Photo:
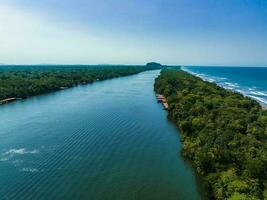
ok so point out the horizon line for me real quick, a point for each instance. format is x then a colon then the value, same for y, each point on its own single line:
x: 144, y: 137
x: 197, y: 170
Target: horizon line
x: 106, y: 64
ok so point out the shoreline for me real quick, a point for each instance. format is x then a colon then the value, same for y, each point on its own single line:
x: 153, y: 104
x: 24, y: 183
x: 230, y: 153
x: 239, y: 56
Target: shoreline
x: 8, y: 100
x: 69, y: 80
x: 163, y: 100
x: 125, y: 123
x: 241, y: 90
x: 193, y: 109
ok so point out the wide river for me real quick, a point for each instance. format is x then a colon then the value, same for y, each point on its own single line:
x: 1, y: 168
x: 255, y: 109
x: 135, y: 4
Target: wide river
x: 109, y: 140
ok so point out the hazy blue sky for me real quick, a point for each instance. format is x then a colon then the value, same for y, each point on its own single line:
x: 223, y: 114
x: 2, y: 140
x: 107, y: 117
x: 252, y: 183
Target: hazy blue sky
x: 189, y: 32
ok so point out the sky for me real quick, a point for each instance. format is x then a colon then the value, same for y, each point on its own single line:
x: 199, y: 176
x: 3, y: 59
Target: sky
x: 184, y: 32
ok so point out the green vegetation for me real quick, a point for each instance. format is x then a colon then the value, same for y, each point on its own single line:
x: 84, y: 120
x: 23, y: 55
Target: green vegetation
x: 223, y: 133
x: 154, y: 64
x: 25, y: 81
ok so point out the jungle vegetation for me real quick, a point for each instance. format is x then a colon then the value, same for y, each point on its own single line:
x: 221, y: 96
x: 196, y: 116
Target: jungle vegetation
x: 26, y: 81
x: 223, y: 133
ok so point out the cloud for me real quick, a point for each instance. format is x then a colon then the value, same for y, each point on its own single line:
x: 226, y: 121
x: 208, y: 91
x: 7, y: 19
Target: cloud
x: 28, y: 37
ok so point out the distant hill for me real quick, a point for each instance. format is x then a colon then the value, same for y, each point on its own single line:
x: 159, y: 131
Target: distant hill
x: 160, y: 66
x: 154, y: 64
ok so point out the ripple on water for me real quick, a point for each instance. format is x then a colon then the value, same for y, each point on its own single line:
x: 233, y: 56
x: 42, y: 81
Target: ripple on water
x: 108, y: 140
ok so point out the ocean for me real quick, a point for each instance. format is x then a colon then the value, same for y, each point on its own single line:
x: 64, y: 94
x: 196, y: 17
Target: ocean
x: 250, y: 81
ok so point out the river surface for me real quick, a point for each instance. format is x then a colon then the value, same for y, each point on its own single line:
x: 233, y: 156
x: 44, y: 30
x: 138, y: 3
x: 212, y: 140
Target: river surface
x: 108, y: 140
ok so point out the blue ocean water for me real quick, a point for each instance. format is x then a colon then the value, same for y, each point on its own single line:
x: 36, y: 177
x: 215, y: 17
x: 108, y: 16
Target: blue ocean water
x: 250, y: 81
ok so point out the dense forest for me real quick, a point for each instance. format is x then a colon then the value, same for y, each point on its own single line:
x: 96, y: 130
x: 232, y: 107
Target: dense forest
x: 25, y: 81
x: 223, y: 133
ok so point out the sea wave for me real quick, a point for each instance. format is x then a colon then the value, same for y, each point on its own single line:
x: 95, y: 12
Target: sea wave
x: 205, y: 76
x: 261, y: 100
x: 21, y: 151
x: 15, y: 158
x: 252, y: 92
x: 11, y: 154
x: 259, y: 93
x: 231, y: 84
x: 4, y: 159
x: 28, y: 169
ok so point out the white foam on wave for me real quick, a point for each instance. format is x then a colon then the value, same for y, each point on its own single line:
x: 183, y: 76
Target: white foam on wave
x: 259, y: 93
x: 262, y: 100
x: 205, y: 77
x: 9, y: 155
x: 228, y: 87
x: 231, y: 84
x: 21, y: 151
x: 4, y: 159
x: 28, y: 169
x: 14, y: 157
x: 251, y: 92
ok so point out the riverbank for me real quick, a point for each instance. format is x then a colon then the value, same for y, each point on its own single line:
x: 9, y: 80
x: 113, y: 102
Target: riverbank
x: 223, y: 134
x: 163, y: 100
x: 20, y: 83
x: 4, y: 101
x: 107, y: 140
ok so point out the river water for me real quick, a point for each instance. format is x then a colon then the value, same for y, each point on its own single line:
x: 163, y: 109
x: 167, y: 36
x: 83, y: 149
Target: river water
x: 108, y: 140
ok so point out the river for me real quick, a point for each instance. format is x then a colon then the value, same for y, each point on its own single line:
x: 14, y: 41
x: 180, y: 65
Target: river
x: 106, y: 140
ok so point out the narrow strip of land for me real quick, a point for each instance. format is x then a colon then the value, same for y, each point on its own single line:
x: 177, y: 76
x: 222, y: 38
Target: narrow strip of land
x: 224, y: 134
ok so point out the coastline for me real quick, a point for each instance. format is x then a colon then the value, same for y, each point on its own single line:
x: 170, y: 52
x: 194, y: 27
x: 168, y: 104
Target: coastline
x: 225, y: 80
x: 200, y: 109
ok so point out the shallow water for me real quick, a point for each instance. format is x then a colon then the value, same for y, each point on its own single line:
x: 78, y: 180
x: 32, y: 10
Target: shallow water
x: 107, y: 140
